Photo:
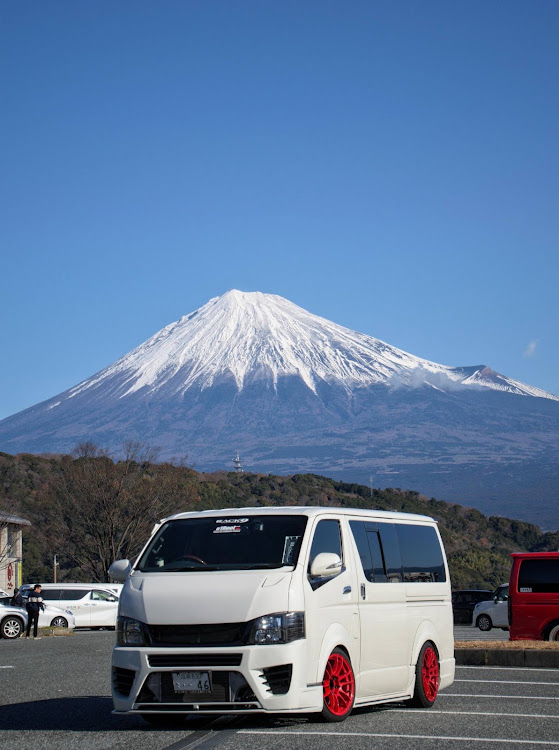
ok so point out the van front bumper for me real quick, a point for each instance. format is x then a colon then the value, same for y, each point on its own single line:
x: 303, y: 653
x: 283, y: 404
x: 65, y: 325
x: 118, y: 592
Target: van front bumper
x: 248, y: 679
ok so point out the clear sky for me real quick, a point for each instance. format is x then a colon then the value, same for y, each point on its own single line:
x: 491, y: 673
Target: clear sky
x: 392, y: 166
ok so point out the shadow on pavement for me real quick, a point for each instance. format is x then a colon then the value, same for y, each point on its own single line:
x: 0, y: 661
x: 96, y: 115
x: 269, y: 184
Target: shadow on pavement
x: 84, y: 714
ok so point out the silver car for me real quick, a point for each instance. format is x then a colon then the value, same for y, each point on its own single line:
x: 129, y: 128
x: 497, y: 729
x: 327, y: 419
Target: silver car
x: 13, y: 620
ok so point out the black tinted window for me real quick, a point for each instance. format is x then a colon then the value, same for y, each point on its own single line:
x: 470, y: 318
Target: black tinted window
x: 390, y: 551
x: 326, y: 539
x: 73, y: 594
x: 46, y: 594
x: 421, y: 554
x: 539, y: 576
x: 362, y: 544
x: 370, y: 551
x: 228, y: 542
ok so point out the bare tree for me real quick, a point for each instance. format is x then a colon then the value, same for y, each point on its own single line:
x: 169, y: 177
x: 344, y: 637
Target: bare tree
x: 104, y: 510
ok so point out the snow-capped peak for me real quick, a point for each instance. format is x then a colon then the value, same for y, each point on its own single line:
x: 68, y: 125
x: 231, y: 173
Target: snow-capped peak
x: 244, y: 335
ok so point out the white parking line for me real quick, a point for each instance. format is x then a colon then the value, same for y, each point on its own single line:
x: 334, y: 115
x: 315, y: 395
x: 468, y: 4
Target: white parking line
x: 508, y: 697
x: 6, y: 667
x: 471, y: 713
x: 510, y: 669
x: 511, y: 682
x: 400, y: 736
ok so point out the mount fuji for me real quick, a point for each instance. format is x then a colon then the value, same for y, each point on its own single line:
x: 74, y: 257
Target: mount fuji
x: 293, y: 392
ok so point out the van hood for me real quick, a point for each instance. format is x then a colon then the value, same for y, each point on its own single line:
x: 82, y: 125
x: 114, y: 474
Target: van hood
x: 204, y: 598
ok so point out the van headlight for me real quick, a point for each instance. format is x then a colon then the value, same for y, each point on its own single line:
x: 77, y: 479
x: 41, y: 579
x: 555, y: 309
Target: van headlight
x: 129, y: 632
x: 283, y: 627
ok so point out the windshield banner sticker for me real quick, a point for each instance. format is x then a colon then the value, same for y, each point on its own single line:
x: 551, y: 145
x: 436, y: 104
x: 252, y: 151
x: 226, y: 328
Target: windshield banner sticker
x: 227, y: 530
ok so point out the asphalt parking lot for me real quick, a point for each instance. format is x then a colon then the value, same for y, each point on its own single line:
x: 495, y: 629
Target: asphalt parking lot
x: 55, y: 693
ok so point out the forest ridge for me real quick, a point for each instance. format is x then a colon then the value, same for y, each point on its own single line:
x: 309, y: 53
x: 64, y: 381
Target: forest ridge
x: 89, y: 510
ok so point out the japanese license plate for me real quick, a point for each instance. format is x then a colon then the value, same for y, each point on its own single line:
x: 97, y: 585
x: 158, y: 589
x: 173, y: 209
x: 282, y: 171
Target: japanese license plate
x: 192, y: 682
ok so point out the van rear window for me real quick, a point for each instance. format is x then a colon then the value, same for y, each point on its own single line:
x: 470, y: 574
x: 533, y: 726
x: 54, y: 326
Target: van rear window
x: 225, y: 543
x: 421, y: 554
x: 539, y: 576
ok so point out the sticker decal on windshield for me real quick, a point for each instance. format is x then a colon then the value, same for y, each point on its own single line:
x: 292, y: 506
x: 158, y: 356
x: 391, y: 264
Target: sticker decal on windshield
x: 289, y: 549
x: 227, y: 530
x: 231, y: 520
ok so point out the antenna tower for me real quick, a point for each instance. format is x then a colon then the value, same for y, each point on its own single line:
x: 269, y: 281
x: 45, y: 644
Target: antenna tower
x: 238, y: 464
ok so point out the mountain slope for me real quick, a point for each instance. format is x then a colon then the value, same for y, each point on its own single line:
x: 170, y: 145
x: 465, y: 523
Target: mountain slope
x: 295, y: 392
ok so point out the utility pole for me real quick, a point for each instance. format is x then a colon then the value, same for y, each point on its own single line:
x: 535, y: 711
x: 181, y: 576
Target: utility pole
x: 54, y: 568
x: 371, y: 486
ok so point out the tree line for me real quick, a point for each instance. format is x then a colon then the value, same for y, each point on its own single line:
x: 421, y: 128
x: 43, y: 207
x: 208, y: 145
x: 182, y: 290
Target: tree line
x: 89, y: 509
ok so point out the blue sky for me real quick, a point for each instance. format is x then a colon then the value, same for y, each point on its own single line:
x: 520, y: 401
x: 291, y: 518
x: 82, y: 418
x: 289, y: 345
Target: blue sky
x: 391, y: 166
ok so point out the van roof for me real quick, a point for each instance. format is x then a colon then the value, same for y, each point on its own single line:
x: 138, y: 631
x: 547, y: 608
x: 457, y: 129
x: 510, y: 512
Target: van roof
x: 535, y: 554
x: 303, y: 510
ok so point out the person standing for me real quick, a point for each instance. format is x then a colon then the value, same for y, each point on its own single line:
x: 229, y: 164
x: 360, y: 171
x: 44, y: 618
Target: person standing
x: 34, y: 606
x: 17, y: 599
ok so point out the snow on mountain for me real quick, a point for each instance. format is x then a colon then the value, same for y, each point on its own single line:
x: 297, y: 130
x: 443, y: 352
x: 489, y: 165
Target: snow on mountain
x: 243, y: 335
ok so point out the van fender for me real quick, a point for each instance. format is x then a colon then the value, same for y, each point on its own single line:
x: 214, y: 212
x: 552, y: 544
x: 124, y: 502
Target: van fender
x: 425, y: 632
x: 335, y: 636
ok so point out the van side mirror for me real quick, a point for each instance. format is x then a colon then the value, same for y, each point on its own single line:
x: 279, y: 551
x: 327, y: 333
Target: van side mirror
x: 120, y: 570
x: 326, y: 565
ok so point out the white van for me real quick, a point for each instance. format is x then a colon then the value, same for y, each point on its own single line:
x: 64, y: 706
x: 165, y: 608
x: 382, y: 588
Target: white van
x: 288, y: 610
x: 92, y: 605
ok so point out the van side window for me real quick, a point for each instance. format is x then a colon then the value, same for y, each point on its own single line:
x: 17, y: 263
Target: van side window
x: 47, y: 594
x: 103, y: 596
x: 539, y: 576
x: 73, y: 594
x: 327, y: 538
x: 421, y: 554
x: 390, y: 550
x: 370, y: 551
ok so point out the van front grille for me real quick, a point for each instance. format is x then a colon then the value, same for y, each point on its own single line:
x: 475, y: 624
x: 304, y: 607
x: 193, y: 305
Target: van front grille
x: 226, y: 687
x: 215, y: 634
x: 195, y: 660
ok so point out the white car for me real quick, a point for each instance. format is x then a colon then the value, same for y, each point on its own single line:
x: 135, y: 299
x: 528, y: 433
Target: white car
x: 50, y: 617
x: 493, y: 613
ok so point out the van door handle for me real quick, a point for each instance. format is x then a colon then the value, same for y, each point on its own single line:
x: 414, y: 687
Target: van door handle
x: 363, y: 594
x: 347, y: 590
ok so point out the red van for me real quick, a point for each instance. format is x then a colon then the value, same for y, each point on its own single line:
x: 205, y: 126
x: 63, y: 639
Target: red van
x: 534, y: 596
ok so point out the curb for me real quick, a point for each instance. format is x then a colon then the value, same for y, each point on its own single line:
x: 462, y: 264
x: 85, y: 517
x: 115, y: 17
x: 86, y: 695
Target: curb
x: 493, y: 657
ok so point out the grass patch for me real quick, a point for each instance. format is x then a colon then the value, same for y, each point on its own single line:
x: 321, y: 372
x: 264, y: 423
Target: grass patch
x: 50, y: 631
x: 509, y: 645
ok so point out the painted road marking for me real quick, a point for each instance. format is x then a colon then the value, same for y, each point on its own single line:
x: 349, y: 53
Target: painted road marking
x: 510, y: 682
x: 378, y: 735
x: 472, y: 713
x: 508, y: 697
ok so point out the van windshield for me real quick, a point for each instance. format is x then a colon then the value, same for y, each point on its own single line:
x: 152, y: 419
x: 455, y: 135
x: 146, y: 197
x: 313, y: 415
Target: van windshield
x: 225, y: 543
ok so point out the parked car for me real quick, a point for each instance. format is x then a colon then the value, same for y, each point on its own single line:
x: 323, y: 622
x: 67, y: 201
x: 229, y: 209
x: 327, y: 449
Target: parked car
x: 464, y: 601
x: 534, y: 596
x: 493, y: 613
x: 50, y: 617
x: 92, y: 605
x: 13, y: 620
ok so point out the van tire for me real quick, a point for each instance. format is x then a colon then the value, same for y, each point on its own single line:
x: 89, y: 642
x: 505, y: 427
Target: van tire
x: 484, y: 623
x: 338, y: 687
x: 427, y: 677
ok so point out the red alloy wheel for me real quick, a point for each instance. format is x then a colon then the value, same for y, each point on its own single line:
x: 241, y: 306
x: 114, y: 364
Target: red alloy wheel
x: 338, y: 685
x: 430, y: 674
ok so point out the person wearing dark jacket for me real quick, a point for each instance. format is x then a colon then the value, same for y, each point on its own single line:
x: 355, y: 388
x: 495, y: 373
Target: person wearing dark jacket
x: 17, y: 599
x: 34, y: 605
